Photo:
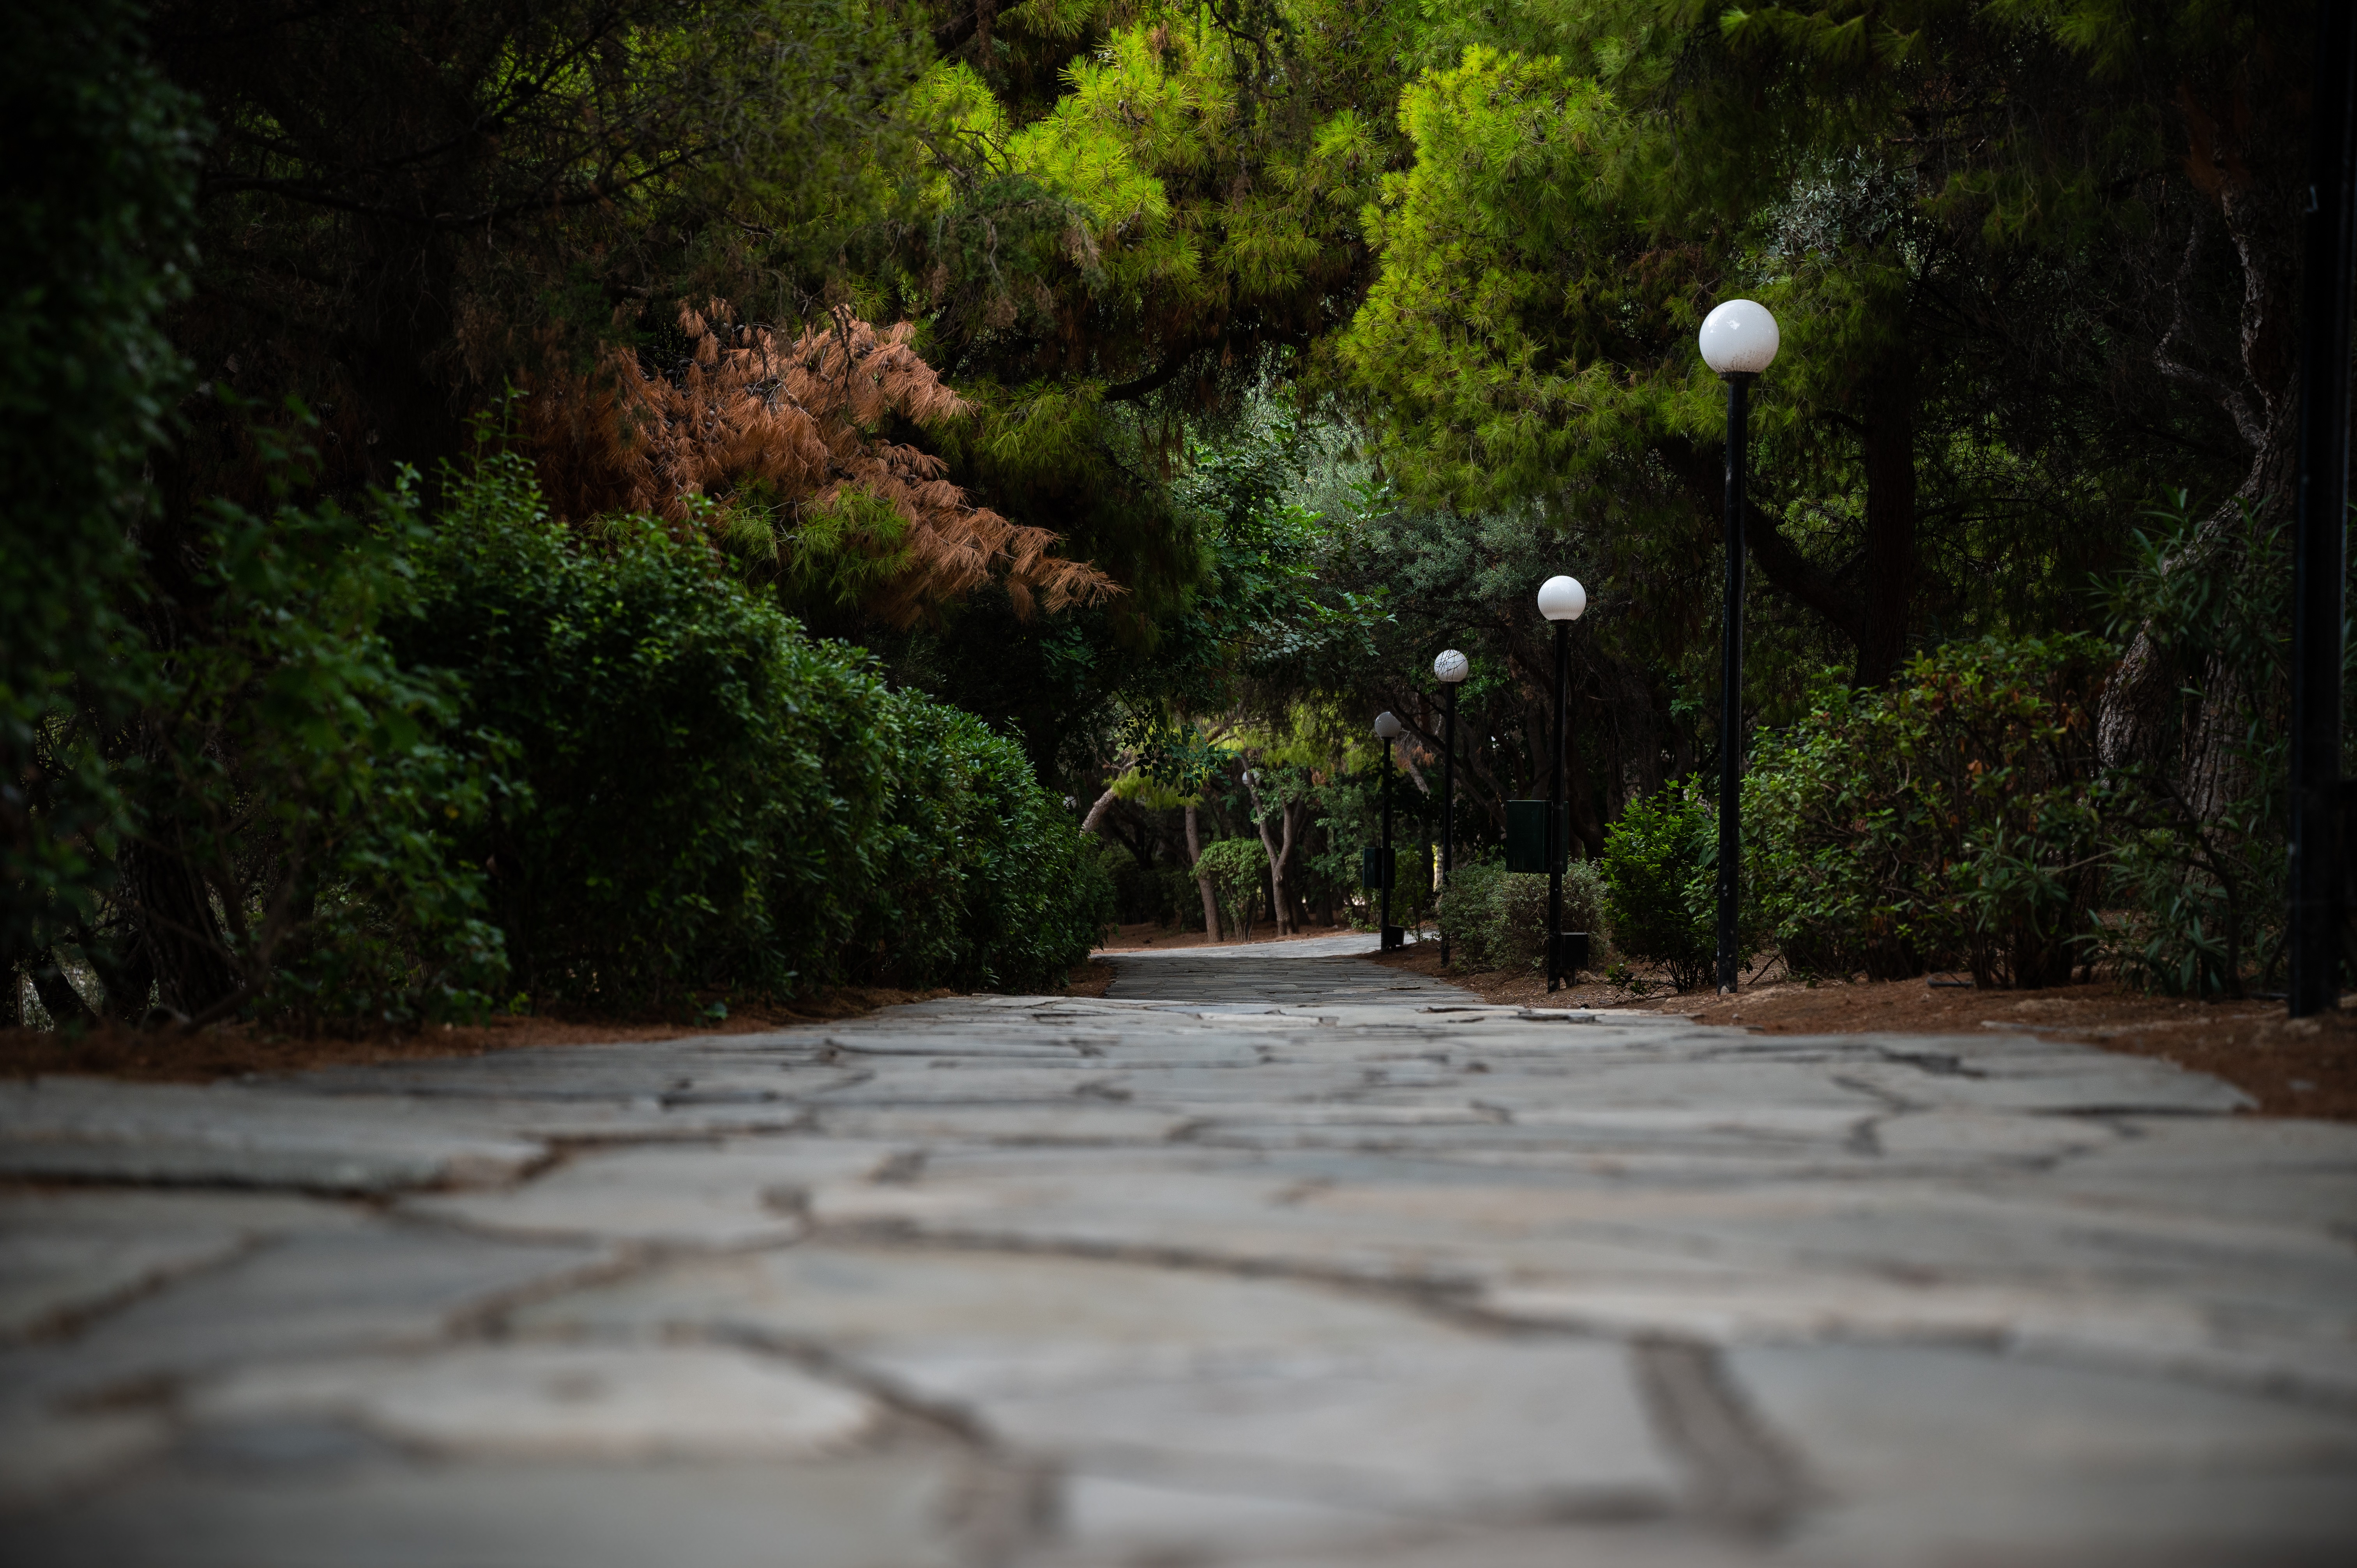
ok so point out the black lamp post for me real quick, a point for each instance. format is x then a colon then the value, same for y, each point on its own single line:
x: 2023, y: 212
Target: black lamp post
x: 1387, y: 728
x: 1451, y: 667
x: 1561, y: 600
x: 2319, y: 551
x: 1738, y: 341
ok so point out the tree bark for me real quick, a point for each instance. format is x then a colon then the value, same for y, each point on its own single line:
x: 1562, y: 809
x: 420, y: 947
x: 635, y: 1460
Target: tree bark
x: 62, y: 1002
x: 1096, y: 812
x: 1202, y: 881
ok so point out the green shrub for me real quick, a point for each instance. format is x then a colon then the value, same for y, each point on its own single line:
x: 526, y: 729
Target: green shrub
x: 1495, y: 918
x: 1661, y: 880
x: 1238, y: 868
x: 706, y: 799
x: 1957, y: 821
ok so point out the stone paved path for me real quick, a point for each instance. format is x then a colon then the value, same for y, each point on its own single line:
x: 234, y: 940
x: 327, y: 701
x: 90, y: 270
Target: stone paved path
x: 1271, y: 1257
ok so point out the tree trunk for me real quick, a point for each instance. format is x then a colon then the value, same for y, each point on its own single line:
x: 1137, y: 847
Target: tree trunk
x: 1096, y: 812
x: 2242, y: 153
x: 176, y: 927
x: 1202, y: 881
x: 1280, y: 909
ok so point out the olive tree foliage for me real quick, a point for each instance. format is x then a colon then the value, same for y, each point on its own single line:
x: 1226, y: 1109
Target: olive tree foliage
x: 96, y: 203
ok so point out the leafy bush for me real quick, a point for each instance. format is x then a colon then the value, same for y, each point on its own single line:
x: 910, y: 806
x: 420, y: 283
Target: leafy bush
x: 1495, y: 918
x: 96, y: 209
x: 309, y: 788
x: 1958, y: 821
x: 704, y: 798
x: 284, y: 840
x: 1660, y: 876
x: 980, y: 878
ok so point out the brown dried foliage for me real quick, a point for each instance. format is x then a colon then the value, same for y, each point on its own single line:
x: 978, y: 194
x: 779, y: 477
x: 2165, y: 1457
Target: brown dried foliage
x: 794, y: 426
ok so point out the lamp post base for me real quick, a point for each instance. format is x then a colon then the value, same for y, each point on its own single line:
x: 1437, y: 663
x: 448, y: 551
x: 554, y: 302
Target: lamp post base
x: 1394, y: 937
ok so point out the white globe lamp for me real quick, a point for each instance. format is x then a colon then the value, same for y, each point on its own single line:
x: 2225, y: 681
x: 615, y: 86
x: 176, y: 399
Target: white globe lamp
x: 1738, y: 339
x: 1561, y: 598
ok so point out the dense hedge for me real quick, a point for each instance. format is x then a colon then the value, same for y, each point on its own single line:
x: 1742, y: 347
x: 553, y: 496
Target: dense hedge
x: 698, y: 796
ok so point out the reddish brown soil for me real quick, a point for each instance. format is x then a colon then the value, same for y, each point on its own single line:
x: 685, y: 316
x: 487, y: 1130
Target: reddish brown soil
x: 2304, y: 1067
x: 169, y: 1055
x: 1089, y: 979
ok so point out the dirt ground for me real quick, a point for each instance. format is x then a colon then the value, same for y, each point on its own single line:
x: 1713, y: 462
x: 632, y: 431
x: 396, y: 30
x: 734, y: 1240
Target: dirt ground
x: 175, y: 1056
x: 1144, y: 934
x: 2303, y: 1066
x: 1090, y: 979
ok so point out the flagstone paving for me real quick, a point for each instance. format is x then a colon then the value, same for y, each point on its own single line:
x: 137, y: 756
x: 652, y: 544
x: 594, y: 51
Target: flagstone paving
x: 1271, y: 1257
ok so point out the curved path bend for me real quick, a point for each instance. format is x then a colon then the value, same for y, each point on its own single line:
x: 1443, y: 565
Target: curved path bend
x: 1269, y: 1257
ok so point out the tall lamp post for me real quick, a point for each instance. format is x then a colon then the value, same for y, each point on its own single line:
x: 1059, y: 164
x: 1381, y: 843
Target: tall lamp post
x: 1387, y: 729
x: 1451, y: 667
x: 1561, y: 600
x: 1738, y: 341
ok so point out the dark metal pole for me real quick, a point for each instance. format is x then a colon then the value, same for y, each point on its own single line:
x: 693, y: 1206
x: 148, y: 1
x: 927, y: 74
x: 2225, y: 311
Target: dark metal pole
x: 1383, y: 932
x: 1731, y: 715
x: 2320, y: 563
x: 1555, y: 845
x: 1448, y: 803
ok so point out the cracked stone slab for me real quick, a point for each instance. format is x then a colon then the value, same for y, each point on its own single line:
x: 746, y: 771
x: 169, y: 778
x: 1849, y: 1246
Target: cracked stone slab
x: 576, y: 1401
x: 46, y: 1454
x: 918, y: 1505
x: 745, y: 1193
x: 66, y: 1256
x: 1940, y: 1455
x: 2112, y: 1084
x: 87, y: 1129
x: 1000, y: 1048
x: 1300, y: 1391
x: 1068, y: 1122
x: 1982, y: 1132
x: 366, y: 1287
